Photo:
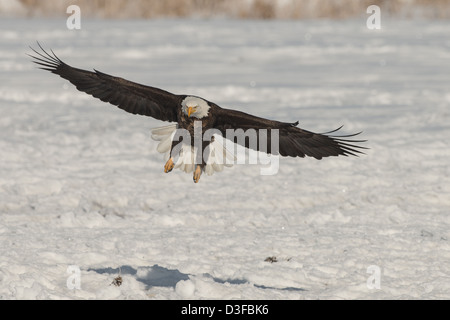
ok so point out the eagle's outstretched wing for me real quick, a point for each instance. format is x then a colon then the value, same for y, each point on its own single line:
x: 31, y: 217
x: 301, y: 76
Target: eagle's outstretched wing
x: 162, y: 105
x: 293, y: 141
x: 129, y: 96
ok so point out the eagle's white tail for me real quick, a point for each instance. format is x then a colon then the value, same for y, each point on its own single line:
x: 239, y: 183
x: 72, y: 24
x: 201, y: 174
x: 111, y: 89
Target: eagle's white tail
x: 218, y: 156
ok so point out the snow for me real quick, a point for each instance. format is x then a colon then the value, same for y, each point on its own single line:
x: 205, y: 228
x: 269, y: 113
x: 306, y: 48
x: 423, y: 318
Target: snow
x: 82, y: 186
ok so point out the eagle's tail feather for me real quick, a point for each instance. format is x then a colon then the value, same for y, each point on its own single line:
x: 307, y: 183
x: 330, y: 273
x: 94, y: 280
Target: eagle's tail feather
x: 218, y: 157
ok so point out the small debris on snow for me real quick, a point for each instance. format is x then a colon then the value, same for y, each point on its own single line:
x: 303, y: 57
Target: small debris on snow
x: 271, y: 259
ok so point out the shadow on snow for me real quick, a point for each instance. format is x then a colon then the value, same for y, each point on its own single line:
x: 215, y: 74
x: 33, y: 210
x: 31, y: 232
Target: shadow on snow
x: 156, y: 276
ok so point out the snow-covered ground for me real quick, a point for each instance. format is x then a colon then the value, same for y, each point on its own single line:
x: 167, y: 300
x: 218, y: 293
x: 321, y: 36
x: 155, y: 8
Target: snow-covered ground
x: 82, y: 186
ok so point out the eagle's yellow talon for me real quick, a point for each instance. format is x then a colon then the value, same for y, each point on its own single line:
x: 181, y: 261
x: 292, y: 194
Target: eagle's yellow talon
x: 197, y: 173
x: 169, y: 166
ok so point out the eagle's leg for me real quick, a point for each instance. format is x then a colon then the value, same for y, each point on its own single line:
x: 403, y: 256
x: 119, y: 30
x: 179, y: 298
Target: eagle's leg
x: 197, y: 173
x: 169, y: 166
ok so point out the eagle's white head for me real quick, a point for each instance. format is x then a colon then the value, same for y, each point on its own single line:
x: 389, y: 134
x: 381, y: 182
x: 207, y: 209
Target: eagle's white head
x: 195, y: 107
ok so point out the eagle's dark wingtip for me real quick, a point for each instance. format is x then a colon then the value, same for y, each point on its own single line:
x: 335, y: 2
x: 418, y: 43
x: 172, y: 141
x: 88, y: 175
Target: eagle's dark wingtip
x: 332, y: 131
x: 348, y: 147
x: 44, y: 59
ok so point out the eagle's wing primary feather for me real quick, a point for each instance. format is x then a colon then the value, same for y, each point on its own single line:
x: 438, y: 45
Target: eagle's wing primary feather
x: 293, y: 141
x: 129, y: 96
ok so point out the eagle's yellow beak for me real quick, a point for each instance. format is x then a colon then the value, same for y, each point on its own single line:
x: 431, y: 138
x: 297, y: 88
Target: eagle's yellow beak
x: 190, y: 111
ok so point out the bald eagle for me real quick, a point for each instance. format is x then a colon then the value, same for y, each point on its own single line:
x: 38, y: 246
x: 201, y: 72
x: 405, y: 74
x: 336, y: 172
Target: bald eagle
x: 195, y: 115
